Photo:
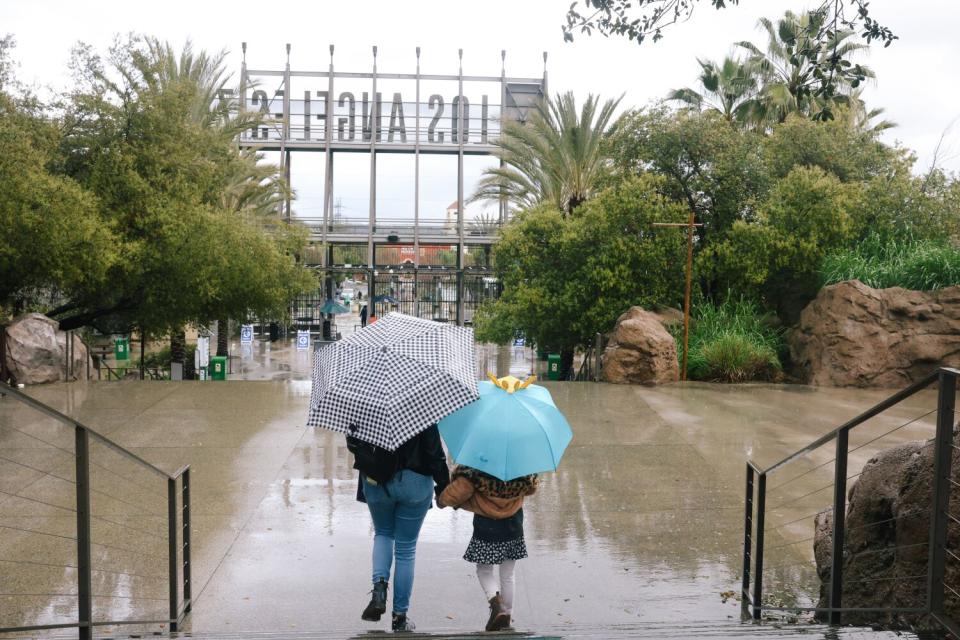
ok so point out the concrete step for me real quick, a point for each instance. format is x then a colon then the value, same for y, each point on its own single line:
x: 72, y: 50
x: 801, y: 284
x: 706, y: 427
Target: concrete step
x: 668, y: 630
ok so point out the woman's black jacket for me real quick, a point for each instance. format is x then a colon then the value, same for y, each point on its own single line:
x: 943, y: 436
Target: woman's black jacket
x: 422, y: 454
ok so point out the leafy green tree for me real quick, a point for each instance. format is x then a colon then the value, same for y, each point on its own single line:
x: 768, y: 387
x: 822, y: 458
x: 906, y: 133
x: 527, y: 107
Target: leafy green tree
x: 728, y: 89
x: 51, y: 234
x: 566, y: 278
x: 896, y: 205
x: 554, y: 158
x: 838, y: 147
x: 250, y: 186
x: 134, y: 139
x: 718, y: 171
x: 776, y: 258
x: 798, y: 49
x: 7, y: 75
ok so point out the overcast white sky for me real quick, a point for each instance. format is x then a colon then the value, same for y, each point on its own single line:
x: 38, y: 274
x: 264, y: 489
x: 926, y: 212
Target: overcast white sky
x: 917, y: 78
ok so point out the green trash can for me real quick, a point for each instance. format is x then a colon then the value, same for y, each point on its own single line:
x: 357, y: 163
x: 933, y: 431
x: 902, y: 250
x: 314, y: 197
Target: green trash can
x: 553, y: 366
x: 121, y: 348
x: 218, y: 368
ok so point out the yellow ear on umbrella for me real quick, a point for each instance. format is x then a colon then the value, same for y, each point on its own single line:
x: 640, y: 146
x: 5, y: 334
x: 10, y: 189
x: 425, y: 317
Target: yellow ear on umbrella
x: 511, y: 384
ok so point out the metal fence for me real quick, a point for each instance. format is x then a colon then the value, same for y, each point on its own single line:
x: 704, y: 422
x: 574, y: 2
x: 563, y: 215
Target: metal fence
x: 779, y: 568
x: 99, y: 537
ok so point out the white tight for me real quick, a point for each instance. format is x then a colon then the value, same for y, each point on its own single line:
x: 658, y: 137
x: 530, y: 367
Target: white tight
x: 506, y: 582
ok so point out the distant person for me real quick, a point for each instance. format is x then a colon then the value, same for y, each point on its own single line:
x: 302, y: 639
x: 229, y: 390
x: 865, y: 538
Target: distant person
x: 363, y: 316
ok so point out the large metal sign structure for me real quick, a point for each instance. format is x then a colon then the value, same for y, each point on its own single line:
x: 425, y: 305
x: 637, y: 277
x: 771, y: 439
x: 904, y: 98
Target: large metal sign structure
x: 421, y: 261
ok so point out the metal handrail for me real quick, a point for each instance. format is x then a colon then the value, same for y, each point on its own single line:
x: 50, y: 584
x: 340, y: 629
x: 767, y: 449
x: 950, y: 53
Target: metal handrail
x: 872, y: 412
x: 179, y: 609
x: 755, y: 507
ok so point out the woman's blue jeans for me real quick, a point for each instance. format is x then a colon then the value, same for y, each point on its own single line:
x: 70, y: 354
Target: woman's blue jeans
x: 397, y: 516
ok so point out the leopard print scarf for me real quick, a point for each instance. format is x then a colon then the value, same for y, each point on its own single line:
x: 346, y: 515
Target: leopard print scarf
x: 494, y: 487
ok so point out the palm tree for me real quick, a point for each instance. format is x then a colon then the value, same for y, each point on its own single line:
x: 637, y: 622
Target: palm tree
x: 799, y: 50
x: 555, y: 157
x: 729, y: 89
x: 484, y: 224
x: 863, y: 119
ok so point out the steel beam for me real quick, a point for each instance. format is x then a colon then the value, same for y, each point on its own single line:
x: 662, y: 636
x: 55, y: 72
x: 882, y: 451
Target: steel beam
x: 942, y: 471
x: 84, y: 569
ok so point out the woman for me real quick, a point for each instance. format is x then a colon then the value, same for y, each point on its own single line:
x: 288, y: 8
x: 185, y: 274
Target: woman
x: 398, y: 508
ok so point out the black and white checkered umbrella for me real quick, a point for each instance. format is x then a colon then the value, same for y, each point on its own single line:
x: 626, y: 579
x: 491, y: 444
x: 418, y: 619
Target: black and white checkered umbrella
x: 392, y: 379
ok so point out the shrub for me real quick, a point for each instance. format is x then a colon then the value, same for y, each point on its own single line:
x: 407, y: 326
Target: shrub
x: 776, y: 257
x: 922, y: 265
x: 732, y: 342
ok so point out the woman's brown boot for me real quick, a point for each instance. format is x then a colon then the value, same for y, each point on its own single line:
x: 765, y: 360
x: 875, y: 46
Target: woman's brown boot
x: 498, y: 619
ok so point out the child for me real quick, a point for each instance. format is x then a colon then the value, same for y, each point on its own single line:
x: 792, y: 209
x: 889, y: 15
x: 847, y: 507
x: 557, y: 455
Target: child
x: 497, y: 532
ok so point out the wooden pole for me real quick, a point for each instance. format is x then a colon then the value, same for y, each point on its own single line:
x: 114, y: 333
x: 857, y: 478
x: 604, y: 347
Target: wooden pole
x: 690, y: 225
x: 686, y: 297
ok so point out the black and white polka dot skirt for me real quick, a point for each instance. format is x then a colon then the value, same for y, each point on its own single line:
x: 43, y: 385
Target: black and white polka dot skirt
x: 484, y: 552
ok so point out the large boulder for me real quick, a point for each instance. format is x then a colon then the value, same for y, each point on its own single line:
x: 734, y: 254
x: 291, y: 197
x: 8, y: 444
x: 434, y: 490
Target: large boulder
x: 887, y: 535
x: 854, y: 336
x: 640, y: 350
x: 36, y: 351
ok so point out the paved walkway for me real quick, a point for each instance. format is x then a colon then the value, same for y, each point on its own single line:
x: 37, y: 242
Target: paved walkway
x: 642, y: 523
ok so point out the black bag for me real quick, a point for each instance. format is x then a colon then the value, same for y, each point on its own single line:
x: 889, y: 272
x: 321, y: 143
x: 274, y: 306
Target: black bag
x: 372, y: 461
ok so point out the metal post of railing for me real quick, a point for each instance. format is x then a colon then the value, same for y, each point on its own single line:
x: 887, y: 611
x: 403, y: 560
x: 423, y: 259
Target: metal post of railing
x: 172, y: 550
x: 747, y: 540
x: 839, y: 525
x: 185, y: 536
x: 84, y: 588
x: 758, y: 558
x: 943, y: 454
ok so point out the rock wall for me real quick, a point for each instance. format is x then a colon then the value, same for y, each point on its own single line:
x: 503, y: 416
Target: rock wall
x: 854, y: 336
x: 887, y: 531
x: 640, y: 350
x: 36, y: 351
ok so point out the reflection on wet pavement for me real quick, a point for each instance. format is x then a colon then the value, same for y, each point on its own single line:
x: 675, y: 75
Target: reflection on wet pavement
x: 642, y: 524
x: 280, y: 360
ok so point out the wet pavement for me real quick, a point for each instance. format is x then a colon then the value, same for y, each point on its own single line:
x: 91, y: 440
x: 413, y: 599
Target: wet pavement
x: 281, y: 360
x: 641, y: 525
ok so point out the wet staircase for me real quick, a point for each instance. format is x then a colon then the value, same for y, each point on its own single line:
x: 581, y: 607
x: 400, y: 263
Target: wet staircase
x: 669, y: 630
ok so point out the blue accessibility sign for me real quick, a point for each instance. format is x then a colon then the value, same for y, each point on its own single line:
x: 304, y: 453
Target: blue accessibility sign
x: 303, y: 340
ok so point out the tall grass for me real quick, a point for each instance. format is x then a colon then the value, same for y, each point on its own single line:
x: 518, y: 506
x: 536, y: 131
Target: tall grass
x: 731, y: 342
x: 923, y: 265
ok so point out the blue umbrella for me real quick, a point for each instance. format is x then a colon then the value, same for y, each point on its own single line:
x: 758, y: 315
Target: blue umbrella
x: 386, y: 298
x: 508, y: 434
x: 332, y: 306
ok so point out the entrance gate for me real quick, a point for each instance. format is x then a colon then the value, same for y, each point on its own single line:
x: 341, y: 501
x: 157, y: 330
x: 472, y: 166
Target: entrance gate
x: 374, y: 113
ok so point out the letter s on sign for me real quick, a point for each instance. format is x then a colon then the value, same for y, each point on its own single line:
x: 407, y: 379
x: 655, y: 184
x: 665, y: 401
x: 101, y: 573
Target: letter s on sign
x: 432, y: 134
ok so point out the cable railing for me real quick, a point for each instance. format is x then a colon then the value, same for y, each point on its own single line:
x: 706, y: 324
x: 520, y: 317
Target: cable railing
x: 591, y: 367
x: 91, y: 535
x: 898, y: 556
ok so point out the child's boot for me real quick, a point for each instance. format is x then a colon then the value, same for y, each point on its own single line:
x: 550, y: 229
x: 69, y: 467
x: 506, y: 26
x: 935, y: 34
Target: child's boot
x: 401, y: 623
x: 498, y: 619
x: 378, y: 602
